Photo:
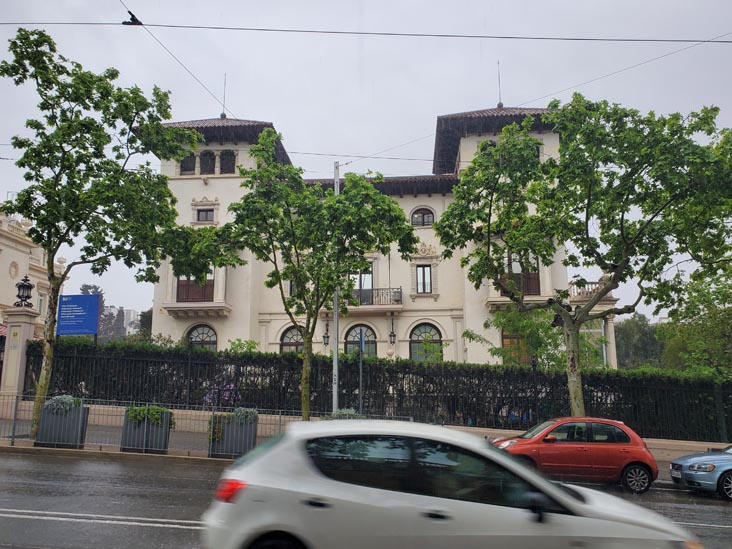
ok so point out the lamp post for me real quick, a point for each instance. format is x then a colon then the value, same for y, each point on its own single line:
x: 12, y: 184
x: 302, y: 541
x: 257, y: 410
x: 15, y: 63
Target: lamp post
x: 24, y: 293
x: 392, y: 334
x: 326, y: 335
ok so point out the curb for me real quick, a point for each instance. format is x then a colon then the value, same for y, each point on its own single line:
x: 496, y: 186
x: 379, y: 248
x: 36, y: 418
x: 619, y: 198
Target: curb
x: 115, y: 456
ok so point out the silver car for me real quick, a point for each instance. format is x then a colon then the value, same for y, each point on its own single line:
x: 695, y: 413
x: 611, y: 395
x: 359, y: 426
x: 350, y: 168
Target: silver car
x: 395, y: 485
x: 706, y: 472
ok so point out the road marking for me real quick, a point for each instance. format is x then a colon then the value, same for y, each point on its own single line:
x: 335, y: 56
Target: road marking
x: 101, y: 519
x: 707, y: 525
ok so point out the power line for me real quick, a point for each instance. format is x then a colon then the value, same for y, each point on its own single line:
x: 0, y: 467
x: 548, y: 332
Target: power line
x: 608, y: 39
x: 647, y: 61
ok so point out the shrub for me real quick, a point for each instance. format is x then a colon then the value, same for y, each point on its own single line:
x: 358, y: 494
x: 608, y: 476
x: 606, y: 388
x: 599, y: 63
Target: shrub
x: 62, y: 404
x: 240, y: 416
x: 344, y: 413
x: 151, y: 413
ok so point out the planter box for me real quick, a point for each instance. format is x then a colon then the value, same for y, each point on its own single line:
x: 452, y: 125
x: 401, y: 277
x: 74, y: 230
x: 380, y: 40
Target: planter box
x: 236, y: 440
x: 63, y: 431
x: 145, y: 438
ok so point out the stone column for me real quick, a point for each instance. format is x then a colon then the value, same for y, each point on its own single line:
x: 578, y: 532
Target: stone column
x: 21, y: 322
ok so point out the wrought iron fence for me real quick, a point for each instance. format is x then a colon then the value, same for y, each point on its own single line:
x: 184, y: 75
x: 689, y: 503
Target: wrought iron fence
x: 454, y: 394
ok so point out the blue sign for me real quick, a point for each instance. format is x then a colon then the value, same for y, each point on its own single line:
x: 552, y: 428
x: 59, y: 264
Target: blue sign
x: 78, y: 314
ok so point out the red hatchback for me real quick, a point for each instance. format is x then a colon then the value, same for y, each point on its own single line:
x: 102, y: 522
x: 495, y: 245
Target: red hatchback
x: 587, y: 449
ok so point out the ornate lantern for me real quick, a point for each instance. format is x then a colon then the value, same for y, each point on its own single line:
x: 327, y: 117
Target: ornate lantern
x: 24, y: 292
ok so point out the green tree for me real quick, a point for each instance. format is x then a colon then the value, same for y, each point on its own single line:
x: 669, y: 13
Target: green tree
x: 81, y: 184
x: 311, y: 238
x: 637, y: 344
x: 628, y: 195
x: 146, y: 324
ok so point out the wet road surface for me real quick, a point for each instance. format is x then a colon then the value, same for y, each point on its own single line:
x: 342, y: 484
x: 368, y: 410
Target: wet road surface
x: 51, y: 501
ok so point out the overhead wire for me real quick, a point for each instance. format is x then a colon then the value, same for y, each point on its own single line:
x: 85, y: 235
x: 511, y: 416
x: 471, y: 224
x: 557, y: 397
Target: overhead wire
x: 394, y: 34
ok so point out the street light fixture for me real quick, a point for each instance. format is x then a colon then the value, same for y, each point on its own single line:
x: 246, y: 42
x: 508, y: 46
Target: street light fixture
x: 24, y: 292
x: 392, y: 335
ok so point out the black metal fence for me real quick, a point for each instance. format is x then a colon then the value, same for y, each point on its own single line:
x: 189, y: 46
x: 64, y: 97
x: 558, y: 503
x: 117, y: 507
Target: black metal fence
x: 662, y: 406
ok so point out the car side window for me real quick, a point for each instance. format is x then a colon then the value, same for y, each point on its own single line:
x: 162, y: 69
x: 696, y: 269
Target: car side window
x: 447, y: 471
x: 375, y: 461
x: 571, y: 432
x: 602, y: 432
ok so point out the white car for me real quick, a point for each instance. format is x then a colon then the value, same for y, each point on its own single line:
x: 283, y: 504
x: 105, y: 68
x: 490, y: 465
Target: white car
x: 364, y: 484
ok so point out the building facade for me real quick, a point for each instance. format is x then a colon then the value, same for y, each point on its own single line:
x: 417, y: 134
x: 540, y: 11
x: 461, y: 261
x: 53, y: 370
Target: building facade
x: 19, y: 257
x: 407, y: 309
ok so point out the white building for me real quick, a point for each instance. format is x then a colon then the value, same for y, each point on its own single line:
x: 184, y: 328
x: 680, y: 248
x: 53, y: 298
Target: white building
x: 427, y: 298
x: 19, y: 257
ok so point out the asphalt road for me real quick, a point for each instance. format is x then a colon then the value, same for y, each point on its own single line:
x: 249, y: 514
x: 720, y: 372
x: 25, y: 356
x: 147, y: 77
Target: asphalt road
x: 51, y: 501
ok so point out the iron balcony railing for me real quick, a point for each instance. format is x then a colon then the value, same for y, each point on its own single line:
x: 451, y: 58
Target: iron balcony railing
x: 378, y: 296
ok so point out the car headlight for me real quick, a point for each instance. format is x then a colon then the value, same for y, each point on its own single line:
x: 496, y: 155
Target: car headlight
x: 706, y: 467
x: 505, y: 444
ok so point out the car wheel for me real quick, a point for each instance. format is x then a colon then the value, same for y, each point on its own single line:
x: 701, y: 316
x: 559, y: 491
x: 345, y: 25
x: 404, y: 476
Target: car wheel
x: 724, y: 486
x: 636, y: 478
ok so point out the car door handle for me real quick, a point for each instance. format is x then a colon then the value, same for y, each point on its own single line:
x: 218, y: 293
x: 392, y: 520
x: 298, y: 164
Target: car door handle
x: 436, y: 515
x: 318, y: 503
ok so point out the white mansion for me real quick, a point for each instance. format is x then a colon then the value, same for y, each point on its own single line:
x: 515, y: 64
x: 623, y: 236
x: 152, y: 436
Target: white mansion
x: 403, y: 304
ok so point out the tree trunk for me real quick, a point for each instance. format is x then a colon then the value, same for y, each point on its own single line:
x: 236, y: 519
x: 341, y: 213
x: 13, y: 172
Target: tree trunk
x: 305, y: 379
x: 574, y: 377
x: 49, y: 344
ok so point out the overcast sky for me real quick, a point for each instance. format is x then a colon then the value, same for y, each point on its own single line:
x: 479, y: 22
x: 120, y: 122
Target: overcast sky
x: 359, y: 95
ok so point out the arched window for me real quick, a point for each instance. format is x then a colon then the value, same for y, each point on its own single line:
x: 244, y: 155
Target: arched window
x: 208, y: 163
x: 292, y: 341
x: 202, y: 336
x: 353, y: 340
x: 228, y: 162
x: 423, y: 217
x: 425, y: 343
x: 188, y: 165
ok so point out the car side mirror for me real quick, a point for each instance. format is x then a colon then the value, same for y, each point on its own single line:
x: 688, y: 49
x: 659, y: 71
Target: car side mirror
x: 550, y: 438
x: 538, y: 503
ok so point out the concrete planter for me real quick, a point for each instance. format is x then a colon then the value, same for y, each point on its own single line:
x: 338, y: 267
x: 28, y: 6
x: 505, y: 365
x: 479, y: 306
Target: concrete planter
x: 63, y: 431
x: 145, y: 438
x: 229, y: 439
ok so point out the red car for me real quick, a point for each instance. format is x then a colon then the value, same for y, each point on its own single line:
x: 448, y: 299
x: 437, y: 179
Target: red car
x: 588, y: 449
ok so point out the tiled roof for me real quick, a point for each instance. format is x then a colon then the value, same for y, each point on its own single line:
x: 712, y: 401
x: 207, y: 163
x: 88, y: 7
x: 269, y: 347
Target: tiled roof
x: 452, y: 127
x: 499, y: 111
x: 217, y: 123
x: 231, y: 130
x: 406, y: 185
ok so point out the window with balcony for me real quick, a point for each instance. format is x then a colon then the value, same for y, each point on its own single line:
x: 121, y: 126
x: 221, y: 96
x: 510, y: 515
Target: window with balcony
x: 202, y: 336
x: 188, y: 165
x: 526, y: 282
x: 423, y: 217
x: 292, y: 341
x: 424, y: 279
x: 425, y: 343
x: 353, y: 340
x: 227, y: 161
x: 190, y: 290
x: 363, y: 286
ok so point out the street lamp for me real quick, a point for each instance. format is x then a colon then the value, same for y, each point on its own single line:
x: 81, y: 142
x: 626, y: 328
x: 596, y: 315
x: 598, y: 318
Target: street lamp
x: 392, y: 335
x: 326, y: 335
x: 24, y: 292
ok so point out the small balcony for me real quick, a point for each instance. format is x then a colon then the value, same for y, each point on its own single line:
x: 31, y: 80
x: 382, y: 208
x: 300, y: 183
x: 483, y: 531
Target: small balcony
x: 377, y: 299
x: 195, y: 300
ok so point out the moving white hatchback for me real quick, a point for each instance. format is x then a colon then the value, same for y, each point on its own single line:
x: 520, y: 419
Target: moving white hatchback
x: 394, y: 485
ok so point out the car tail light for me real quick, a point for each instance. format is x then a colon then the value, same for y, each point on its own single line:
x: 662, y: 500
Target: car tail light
x: 227, y: 489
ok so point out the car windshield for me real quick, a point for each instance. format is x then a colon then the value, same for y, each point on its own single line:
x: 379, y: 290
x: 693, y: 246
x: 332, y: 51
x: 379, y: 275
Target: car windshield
x: 728, y: 449
x: 531, y: 433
